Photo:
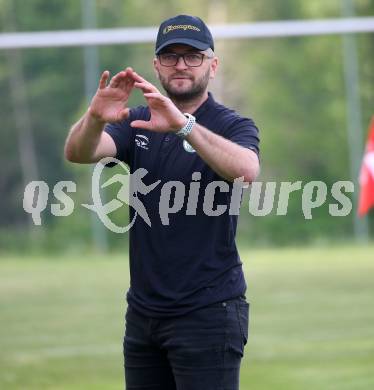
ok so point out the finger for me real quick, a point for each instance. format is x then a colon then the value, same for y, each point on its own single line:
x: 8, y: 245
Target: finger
x: 136, y: 76
x: 153, y: 98
x: 124, y: 114
x: 141, y: 86
x: 126, y: 84
x: 141, y: 124
x: 140, y: 79
x: 154, y: 95
x: 124, y: 80
x: 146, y: 87
x: 103, y: 79
x: 114, y: 83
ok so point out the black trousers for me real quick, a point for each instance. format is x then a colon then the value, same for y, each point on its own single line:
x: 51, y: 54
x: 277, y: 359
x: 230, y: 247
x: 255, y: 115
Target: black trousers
x: 201, y: 350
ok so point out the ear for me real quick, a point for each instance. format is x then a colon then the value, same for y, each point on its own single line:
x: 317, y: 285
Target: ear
x: 156, y: 67
x: 213, y: 67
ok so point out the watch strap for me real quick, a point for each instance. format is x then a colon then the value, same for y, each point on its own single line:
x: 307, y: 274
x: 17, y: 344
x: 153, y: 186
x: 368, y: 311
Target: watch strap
x: 187, y: 128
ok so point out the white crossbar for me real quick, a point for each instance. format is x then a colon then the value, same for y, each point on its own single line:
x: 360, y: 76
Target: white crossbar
x: 21, y: 40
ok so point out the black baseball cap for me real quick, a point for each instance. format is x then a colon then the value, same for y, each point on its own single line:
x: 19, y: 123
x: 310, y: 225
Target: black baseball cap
x: 185, y: 29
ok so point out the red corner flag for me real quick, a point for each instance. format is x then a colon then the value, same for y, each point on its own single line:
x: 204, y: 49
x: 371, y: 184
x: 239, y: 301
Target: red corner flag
x: 366, y: 180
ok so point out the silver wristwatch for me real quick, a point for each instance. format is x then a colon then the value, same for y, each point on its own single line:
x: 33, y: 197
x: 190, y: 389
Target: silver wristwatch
x: 187, y: 128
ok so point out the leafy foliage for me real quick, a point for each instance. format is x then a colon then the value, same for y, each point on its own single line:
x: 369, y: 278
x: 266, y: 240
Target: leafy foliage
x: 292, y: 87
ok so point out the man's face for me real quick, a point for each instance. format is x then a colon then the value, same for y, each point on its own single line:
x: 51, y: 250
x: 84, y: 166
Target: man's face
x: 181, y: 81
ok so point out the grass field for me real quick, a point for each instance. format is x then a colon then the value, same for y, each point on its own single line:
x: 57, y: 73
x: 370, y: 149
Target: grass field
x: 312, y: 321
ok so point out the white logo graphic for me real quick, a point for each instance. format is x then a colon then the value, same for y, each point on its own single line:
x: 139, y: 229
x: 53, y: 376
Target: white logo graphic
x: 132, y: 184
x: 175, y: 195
x: 142, y: 141
x: 187, y: 147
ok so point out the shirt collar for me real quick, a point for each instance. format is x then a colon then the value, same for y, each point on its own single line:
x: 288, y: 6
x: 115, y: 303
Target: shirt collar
x: 205, y: 106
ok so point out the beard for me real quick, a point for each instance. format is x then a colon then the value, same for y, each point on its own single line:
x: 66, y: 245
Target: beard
x: 179, y: 94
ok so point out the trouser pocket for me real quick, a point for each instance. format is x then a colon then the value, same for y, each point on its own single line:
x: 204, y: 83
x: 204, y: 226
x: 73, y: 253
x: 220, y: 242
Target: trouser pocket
x: 243, y: 319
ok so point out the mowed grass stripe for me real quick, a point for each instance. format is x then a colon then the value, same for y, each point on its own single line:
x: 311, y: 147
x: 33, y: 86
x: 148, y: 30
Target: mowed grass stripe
x: 312, y: 320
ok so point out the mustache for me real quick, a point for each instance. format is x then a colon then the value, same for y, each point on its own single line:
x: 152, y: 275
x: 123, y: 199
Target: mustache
x: 180, y: 74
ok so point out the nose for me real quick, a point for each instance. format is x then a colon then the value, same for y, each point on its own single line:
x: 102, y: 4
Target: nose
x: 180, y: 65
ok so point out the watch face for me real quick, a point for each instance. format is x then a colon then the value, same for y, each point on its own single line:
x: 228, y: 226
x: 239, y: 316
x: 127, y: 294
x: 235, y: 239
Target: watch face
x: 187, y: 147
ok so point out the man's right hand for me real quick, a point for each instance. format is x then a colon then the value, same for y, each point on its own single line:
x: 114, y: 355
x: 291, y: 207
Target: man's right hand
x: 110, y: 101
x: 87, y: 142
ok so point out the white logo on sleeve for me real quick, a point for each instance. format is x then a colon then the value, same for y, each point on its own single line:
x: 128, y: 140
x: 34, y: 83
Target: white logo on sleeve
x: 142, y: 141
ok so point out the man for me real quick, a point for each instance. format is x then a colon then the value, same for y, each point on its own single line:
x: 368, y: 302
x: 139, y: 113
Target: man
x: 187, y: 316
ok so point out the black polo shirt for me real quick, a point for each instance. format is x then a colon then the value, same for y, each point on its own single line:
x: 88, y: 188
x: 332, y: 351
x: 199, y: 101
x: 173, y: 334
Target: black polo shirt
x: 192, y: 261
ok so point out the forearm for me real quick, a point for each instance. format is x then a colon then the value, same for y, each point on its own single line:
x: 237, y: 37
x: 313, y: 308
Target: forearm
x: 83, y: 139
x: 226, y: 158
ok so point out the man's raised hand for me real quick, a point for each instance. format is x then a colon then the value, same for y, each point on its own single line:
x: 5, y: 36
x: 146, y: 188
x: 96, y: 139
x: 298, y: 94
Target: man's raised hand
x: 110, y: 101
x: 165, y: 116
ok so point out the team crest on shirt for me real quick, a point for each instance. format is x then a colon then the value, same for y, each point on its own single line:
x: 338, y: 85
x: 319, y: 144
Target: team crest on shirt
x: 187, y: 147
x: 142, y: 141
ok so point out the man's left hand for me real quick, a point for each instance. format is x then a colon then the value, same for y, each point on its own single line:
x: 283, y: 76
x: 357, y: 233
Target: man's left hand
x: 165, y: 116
